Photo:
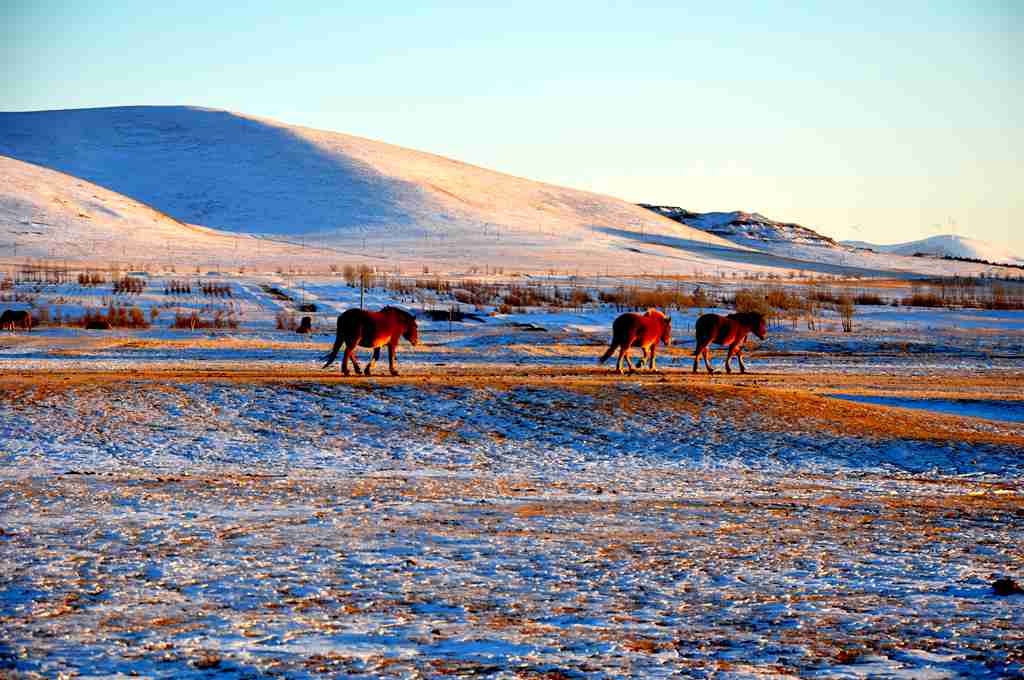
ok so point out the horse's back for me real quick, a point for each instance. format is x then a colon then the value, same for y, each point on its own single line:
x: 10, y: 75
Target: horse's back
x: 639, y: 329
x: 707, y: 325
x: 626, y: 325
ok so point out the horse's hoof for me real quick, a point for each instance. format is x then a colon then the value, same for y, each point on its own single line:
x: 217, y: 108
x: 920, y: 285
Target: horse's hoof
x: 394, y: 373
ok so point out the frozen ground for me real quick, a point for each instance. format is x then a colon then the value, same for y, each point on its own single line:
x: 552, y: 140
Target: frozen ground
x: 178, y: 504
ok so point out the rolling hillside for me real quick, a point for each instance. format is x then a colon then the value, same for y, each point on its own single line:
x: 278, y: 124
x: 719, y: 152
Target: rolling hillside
x: 241, y: 174
x: 207, y: 188
x: 51, y: 215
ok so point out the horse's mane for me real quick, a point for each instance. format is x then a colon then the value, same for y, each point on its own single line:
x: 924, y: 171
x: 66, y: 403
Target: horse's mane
x: 747, y: 316
x: 406, y: 315
x: 657, y: 313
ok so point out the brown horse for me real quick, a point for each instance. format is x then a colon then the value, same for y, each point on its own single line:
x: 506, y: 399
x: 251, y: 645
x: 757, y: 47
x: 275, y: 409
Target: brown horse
x: 12, y: 317
x: 640, y: 330
x: 729, y: 330
x: 360, y: 328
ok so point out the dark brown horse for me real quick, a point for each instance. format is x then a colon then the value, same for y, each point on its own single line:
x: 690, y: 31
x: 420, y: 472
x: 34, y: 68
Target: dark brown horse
x: 11, y: 318
x: 360, y: 328
x: 729, y: 330
x: 639, y: 330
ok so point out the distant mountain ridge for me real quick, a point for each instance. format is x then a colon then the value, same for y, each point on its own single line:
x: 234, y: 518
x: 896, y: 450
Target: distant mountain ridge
x: 945, y: 245
x: 746, y: 226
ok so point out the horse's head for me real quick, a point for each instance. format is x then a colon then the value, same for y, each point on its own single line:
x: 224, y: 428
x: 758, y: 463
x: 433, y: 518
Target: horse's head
x: 412, y: 332
x: 666, y: 331
x: 760, y: 326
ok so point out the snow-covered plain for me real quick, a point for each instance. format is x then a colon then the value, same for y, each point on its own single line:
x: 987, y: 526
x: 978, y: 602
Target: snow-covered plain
x: 212, y: 503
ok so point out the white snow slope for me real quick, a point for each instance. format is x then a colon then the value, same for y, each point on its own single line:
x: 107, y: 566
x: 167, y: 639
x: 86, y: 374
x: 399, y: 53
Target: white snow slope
x: 943, y: 245
x: 45, y: 213
x: 337, y: 197
x: 243, y: 174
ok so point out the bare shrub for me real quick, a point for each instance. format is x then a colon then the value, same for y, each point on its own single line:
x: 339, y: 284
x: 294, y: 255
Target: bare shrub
x: 437, y: 285
x: 88, y: 279
x: 115, y: 316
x: 396, y: 285
x: 176, y: 287
x: 752, y: 300
x: 924, y: 299
x: 864, y: 298
x: 367, y: 276
x: 527, y: 296
x: 129, y: 285
x: 220, y: 290
x: 193, y: 320
x: 846, y: 309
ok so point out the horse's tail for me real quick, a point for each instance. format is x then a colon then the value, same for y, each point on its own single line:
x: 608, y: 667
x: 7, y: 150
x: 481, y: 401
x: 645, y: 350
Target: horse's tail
x: 611, y: 351
x: 333, y: 354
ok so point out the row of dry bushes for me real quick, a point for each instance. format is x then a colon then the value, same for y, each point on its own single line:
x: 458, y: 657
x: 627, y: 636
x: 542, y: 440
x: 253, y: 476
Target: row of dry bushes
x: 120, y: 316
x: 112, y: 316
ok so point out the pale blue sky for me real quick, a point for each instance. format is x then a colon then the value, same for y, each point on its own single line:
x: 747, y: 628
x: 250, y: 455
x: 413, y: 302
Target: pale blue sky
x: 870, y: 122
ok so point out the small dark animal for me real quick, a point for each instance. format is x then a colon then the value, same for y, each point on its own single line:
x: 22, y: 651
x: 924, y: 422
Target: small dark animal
x: 360, y: 328
x: 639, y: 330
x: 15, y: 317
x: 1006, y: 586
x: 306, y: 325
x: 98, y: 325
x: 729, y: 330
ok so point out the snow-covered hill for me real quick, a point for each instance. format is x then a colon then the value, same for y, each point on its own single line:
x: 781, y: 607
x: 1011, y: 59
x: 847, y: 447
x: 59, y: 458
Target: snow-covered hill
x: 945, y: 245
x: 195, y: 184
x: 48, y: 214
x: 242, y: 174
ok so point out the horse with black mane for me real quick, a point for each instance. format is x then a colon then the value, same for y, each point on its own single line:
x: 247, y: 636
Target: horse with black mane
x: 729, y: 330
x: 639, y: 330
x: 360, y: 328
x: 12, y: 317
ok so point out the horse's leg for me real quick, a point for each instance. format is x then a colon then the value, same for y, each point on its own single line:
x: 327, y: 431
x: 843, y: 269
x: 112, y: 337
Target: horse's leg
x: 624, y: 356
x: 373, y: 359
x: 700, y: 352
x: 739, y: 357
x: 345, y: 357
x: 643, y: 358
x: 654, y: 363
x: 393, y: 356
x: 707, y: 360
x: 728, y: 358
x: 350, y: 356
